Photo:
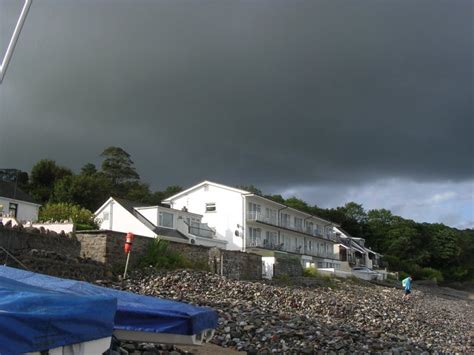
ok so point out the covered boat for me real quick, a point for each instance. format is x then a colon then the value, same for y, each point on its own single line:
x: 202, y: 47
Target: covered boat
x: 138, y: 318
x: 34, y: 319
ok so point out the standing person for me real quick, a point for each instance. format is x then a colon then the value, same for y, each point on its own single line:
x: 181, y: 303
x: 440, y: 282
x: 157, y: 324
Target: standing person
x: 406, y: 283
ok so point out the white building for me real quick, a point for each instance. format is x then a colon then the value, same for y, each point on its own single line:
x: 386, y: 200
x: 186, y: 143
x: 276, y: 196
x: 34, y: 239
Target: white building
x: 249, y: 222
x: 17, y: 204
x: 156, y: 221
x: 352, y: 251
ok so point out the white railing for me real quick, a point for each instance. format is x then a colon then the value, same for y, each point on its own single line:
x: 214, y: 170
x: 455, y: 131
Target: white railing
x: 259, y: 216
x: 201, y: 230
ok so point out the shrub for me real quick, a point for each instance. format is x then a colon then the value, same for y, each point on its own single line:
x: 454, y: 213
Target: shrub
x: 310, y: 272
x: 158, y: 255
x: 81, y: 217
x: 283, y: 278
x: 428, y: 273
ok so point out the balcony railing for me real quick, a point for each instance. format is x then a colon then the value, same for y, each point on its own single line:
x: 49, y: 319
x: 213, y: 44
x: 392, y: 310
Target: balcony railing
x: 264, y: 244
x: 270, y: 245
x: 260, y: 217
x: 201, y: 231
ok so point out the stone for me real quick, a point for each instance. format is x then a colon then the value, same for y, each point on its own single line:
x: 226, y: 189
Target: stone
x: 264, y: 317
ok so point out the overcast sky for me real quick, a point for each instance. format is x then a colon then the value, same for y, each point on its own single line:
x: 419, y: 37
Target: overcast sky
x: 330, y: 101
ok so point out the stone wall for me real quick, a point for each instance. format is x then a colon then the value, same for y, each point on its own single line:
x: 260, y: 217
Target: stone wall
x: 107, y: 247
x: 242, y: 266
x: 53, y: 264
x: 17, y: 239
x: 287, y: 265
x: 92, y: 255
x: 46, y: 252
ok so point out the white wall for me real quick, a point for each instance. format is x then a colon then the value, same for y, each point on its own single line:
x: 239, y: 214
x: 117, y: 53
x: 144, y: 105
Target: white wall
x: 121, y: 220
x: 54, y: 227
x: 150, y: 213
x: 225, y: 219
x: 268, y: 262
x: 26, y: 212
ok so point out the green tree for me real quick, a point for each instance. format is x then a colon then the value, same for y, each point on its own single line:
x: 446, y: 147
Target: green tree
x: 158, y: 196
x: 298, y: 204
x: 88, y: 169
x: 250, y: 188
x: 44, y: 175
x: 88, y: 191
x: 135, y: 191
x: 118, y: 166
x: 276, y: 198
x: 445, y: 246
x: 355, y: 212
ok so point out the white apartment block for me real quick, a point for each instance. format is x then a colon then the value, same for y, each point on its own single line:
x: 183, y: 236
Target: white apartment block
x: 249, y: 222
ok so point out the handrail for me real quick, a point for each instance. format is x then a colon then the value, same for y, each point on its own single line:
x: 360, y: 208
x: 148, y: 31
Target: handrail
x: 14, y: 258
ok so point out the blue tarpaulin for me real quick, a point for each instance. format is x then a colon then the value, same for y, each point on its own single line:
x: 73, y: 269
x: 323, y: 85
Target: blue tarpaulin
x: 134, y: 312
x: 35, y: 319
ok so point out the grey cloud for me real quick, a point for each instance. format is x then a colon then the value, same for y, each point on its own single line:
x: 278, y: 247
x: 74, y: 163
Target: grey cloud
x: 273, y: 93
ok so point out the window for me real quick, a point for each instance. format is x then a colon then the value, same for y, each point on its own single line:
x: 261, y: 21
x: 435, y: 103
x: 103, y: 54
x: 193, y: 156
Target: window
x: 271, y: 215
x: 254, y: 210
x: 309, y: 227
x: 285, y: 220
x: 255, y: 236
x: 211, y: 207
x: 310, y: 245
x: 298, y: 223
x: 13, y: 210
x: 318, y: 229
x: 271, y: 239
x: 106, y: 216
x: 166, y: 220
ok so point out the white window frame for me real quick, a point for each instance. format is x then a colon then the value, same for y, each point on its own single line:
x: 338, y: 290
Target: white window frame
x: 211, y: 207
x: 285, y: 220
x: 255, y: 236
x: 299, y: 225
x: 160, y: 219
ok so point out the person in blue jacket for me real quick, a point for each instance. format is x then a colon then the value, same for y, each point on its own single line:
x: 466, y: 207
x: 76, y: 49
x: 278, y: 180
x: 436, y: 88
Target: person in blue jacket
x: 406, y: 283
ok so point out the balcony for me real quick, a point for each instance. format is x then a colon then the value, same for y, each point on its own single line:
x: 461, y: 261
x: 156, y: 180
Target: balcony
x: 264, y: 244
x: 201, y: 230
x: 320, y: 254
x: 260, y: 217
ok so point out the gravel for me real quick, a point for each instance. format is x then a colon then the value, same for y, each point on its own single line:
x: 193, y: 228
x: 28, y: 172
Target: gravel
x: 263, y: 318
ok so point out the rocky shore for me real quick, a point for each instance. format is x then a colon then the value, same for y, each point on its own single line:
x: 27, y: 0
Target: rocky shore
x: 263, y: 318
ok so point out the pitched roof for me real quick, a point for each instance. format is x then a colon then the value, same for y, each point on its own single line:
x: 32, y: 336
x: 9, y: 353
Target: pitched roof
x: 130, y: 207
x: 205, y: 182
x: 10, y: 190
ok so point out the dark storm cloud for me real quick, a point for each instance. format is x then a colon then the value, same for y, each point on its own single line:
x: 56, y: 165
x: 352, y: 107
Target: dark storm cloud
x: 263, y: 92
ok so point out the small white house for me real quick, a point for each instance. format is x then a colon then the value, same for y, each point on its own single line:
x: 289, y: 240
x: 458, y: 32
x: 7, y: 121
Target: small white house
x: 17, y: 204
x: 253, y: 223
x: 125, y: 216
